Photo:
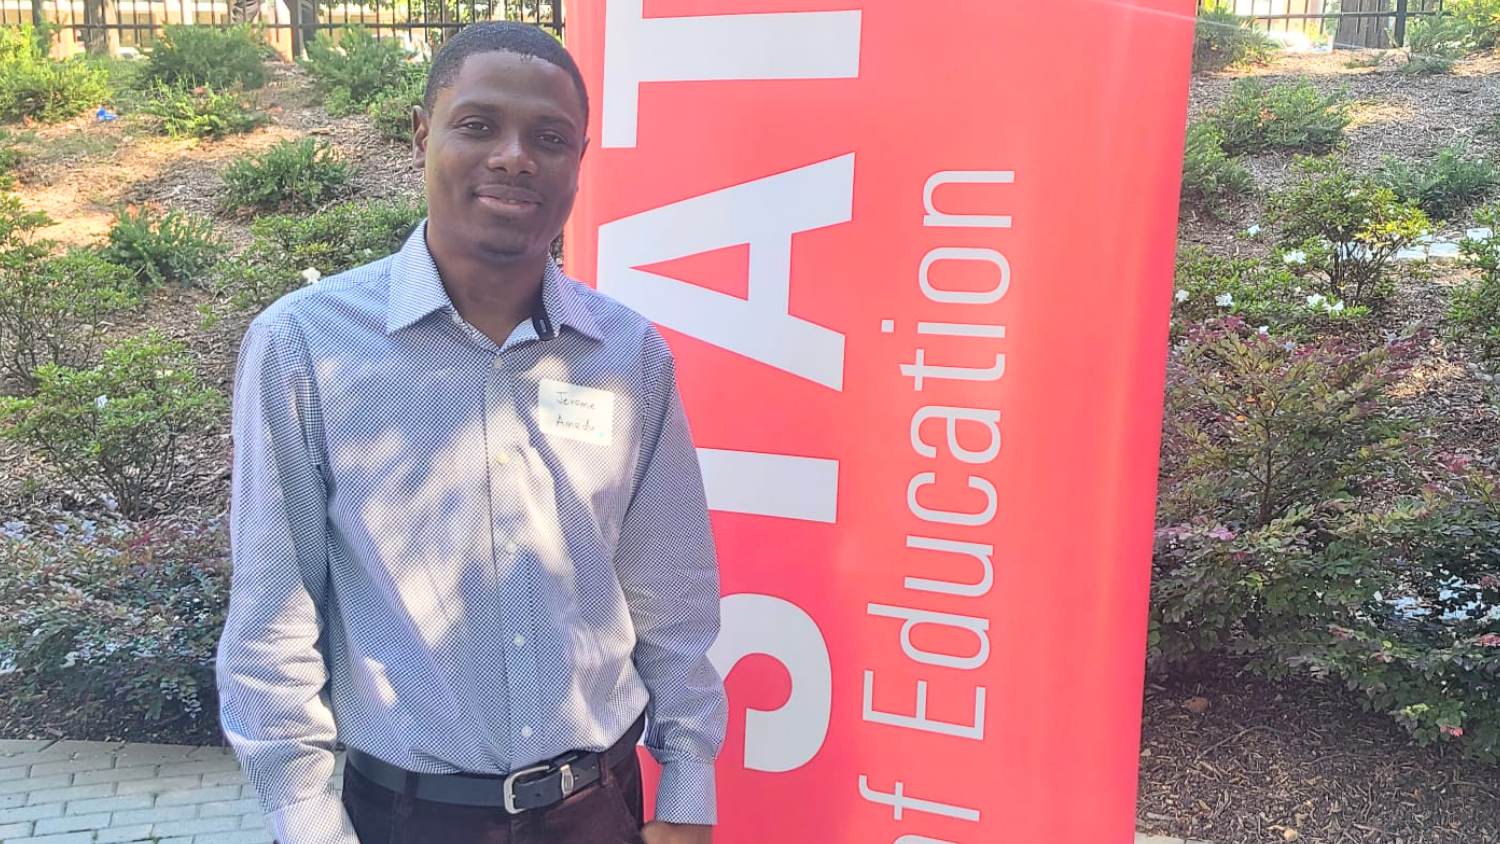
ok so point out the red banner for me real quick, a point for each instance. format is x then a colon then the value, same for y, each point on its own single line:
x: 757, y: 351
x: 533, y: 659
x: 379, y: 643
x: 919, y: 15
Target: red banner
x: 915, y: 260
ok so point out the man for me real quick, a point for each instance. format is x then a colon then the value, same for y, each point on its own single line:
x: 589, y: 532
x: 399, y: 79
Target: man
x: 469, y: 530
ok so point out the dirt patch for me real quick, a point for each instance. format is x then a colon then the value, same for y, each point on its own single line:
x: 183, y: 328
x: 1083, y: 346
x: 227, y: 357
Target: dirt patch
x: 81, y: 171
x: 1298, y: 761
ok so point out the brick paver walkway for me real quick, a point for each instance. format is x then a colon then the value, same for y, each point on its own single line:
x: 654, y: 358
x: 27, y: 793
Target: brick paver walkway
x: 79, y: 792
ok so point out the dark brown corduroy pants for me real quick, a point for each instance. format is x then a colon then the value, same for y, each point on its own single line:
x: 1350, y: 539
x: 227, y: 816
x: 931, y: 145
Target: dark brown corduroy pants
x: 608, y: 812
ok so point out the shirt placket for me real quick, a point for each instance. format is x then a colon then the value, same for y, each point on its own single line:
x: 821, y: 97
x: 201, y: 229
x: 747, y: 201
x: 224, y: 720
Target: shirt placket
x: 515, y: 560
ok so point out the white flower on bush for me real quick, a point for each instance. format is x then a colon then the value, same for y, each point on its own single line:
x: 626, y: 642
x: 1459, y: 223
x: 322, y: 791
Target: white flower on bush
x: 101, y: 401
x: 311, y: 275
x: 1296, y: 256
x: 1264, y: 330
x: 1182, y: 295
x: 1317, y: 300
x: 1225, y: 300
x: 70, y: 659
x: 1253, y: 230
x: 1336, y: 307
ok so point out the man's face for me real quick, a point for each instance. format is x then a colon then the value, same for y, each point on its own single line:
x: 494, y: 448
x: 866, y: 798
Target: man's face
x: 501, y: 150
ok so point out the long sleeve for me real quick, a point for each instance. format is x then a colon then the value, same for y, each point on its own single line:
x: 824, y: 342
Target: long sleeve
x: 666, y: 563
x: 271, y: 668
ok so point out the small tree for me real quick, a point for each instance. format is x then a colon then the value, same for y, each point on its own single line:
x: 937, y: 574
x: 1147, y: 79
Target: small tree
x: 1344, y: 227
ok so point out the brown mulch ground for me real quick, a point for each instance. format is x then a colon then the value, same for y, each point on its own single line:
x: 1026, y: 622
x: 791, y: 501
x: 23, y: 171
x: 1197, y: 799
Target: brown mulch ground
x: 1403, y: 117
x: 1394, y: 115
x: 88, y: 715
x: 1234, y: 759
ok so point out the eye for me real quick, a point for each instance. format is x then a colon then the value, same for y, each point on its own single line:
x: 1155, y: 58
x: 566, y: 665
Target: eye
x: 474, y: 125
x: 553, y: 139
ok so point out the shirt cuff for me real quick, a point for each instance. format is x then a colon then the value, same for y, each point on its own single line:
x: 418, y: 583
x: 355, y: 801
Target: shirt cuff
x: 685, y: 794
x: 317, y: 820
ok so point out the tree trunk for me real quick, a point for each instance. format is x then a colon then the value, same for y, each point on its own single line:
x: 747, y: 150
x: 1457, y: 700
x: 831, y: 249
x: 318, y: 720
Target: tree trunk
x: 1367, y: 32
x: 98, y: 14
x: 111, y: 15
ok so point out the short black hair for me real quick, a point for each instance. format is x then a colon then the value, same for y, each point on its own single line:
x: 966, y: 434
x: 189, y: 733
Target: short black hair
x: 522, y: 39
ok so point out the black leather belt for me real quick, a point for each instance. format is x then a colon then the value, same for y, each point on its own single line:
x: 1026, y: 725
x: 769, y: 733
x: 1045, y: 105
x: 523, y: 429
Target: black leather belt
x: 526, y: 790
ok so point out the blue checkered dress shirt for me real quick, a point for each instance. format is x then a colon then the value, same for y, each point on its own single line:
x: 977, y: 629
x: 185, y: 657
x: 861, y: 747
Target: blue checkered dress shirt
x: 425, y: 572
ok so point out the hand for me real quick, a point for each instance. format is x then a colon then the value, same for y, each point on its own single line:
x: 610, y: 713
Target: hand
x: 661, y: 832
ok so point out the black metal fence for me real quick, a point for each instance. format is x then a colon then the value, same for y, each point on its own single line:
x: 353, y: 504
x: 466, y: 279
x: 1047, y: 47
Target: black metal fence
x: 1348, y: 23
x: 116, y: 26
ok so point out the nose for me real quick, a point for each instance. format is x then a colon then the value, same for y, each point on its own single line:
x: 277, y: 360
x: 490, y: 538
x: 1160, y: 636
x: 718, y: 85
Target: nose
x: 510, y: 155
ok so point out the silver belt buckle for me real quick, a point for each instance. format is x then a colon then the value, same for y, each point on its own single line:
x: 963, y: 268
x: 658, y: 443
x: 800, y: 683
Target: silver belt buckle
x: 508, y: 788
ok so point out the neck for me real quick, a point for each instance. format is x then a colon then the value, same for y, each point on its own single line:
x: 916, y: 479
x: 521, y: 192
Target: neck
x: 492, y: 293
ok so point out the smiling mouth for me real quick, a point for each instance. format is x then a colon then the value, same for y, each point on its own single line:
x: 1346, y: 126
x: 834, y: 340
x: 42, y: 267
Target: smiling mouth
x: 508, y: 206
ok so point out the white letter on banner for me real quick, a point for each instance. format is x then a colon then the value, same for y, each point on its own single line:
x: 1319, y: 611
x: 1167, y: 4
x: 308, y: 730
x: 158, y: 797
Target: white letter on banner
x: 765, y: 213
x: 777, y: 485
x: 920, y: 721
x: 936, y: 218
x: 708, y: 48
x: 784, y: 739
x: 899, y: 802
x: 916, y: 618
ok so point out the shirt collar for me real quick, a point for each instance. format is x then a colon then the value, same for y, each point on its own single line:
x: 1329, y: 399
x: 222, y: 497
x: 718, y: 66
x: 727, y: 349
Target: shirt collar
x: 416, y: 290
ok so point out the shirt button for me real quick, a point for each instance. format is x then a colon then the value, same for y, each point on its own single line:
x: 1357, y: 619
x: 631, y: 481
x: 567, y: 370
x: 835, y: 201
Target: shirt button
x: 520, y: 640
x: 498, y: 362
x: 525, y: 732
x: 511, y: 547
x: 502, y: 458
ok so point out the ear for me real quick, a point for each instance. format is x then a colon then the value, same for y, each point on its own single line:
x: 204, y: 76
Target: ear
x: 421, y: 124
x: 585, y: 150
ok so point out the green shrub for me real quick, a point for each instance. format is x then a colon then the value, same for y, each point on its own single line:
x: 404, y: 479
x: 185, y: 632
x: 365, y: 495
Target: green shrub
x: 1259, y: 425
x: 116, y: 427
x: 1286, y: 117
x: 19, y: 240
x: 391, y: 111
x: 10, y: 159
x: 1221, y: 39
x: 1401, y: 600
x: 1432, y: 662
x: 124, y: 616
x: 357, y: 69
x: 1264, y: 295
x: 163, y: 248
x: 289, y: 175
x: 1481, y: 18
x: 1474, y: 307
x: 52, y: 312
x: 189, y: 56
x: 1209, y: 176
x: 1436, y: 43
x: 21, y: 42
x: 202, y: 112
x: 1441, y: 186
x: 52, y: 306
x: 32, y: 85
x: 122, y: 77
x: 338, y: 238
x: 1343, y: 228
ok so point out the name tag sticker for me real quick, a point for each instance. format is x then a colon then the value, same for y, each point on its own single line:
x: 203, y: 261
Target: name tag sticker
x: 577, y: 413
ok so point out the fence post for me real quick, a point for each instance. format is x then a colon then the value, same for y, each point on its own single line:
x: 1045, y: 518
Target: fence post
x: 294, y: 9
x: 1401, y: 14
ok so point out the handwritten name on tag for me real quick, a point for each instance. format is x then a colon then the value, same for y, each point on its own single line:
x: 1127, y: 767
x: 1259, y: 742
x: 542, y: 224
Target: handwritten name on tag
x: 577, y: 413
